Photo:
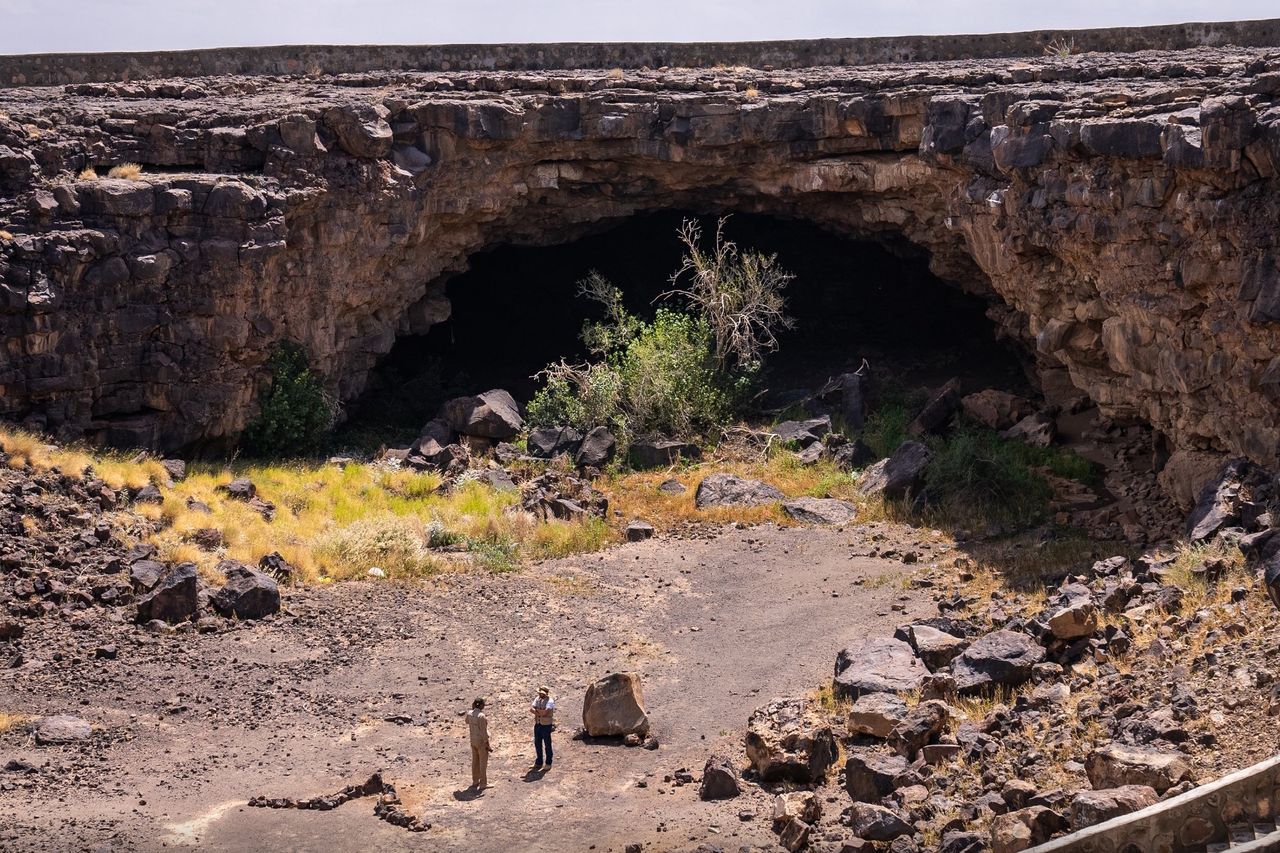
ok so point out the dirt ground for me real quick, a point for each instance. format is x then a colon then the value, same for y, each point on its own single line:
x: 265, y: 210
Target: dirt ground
x: 359, y: 677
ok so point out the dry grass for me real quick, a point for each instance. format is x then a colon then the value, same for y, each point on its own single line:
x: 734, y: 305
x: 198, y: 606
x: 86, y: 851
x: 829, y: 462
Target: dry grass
x: 126, y: 171
x: 751, y: 93
x: 88, y: 174
x: 6, y: 235
x: 26, y: 449
x: 10, y: 721
x: 615, y: 74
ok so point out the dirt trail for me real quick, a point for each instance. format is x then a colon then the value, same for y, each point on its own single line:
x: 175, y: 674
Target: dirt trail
x: 371, y: 676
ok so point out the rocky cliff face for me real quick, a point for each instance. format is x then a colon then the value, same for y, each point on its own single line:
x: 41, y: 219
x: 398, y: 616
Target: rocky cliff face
x: 1119, y: 210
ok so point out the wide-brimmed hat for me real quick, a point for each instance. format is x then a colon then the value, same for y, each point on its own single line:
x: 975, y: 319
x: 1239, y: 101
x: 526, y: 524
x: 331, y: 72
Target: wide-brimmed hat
x: 544, y: 690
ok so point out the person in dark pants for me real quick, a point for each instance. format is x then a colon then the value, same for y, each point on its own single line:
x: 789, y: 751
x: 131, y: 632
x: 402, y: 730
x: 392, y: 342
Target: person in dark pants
x: 543, y: 710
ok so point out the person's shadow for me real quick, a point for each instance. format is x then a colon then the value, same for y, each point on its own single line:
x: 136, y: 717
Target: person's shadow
x: 468, y: 794
x: 535, y: 775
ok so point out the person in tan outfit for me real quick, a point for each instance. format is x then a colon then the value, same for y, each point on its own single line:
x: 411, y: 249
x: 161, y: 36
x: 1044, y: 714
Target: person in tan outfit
x: 478, y: 725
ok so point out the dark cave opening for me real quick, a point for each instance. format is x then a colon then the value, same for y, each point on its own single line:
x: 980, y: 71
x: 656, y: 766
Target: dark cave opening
x: 516, y: 309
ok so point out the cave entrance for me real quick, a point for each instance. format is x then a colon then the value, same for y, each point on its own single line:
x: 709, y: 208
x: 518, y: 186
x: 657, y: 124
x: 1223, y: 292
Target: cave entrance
x: 516, y: 309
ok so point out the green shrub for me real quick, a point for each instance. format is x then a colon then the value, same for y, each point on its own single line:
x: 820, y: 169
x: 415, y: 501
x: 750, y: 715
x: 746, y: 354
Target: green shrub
x: 974, y: 471
x: 295, y: 414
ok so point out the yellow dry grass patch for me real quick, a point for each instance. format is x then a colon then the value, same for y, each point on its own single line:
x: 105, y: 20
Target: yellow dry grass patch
x: 28, y: 449
x: 6, y: 235
x: 10, y: 721
x: 88, y: 174
x: 126, y: 171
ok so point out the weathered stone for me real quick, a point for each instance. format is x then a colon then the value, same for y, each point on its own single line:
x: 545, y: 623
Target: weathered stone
x: 1073, y: 614
x: 173, y: 598
x: 794, y: 834
x: 1024, y: 828
x: 819, y: 510
x: 247, y: 594
x: 598, y: 447
x: 803, y: 433
x: 145, y: 574
x: 61, y: 729
x: 717, y: 490
x: 239, y: 490
x: 996, y: 409
x: 638, y: 531
x: 719, y: 779
x: 493, y: 414
x: 614, y: 706
x: 786, y: 742
x: 877, y: 823
x: 938, y: 411
x: 876, y: 714
x: 797, y: 805
x: 1117, y: 764
x: 1219, y: 502
x: 549, y: 442
x: 362, y: 129
x: 921, y: 726
x: 936, y: 648
x: 876, y: 665
x: 1001, y: 657
x: 1093, y: 807
x: 1037, y: 430
x: 901, y: 473
x: 869, y: 776
x: 660, y: 452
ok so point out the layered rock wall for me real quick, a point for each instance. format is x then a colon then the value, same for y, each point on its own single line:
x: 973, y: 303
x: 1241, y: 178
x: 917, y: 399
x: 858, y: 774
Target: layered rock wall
x: 1117, y: 209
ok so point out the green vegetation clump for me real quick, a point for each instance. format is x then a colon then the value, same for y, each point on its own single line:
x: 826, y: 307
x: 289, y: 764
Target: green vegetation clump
x: 296, y: 414
x: 686, y: 371
x: 974, y: 468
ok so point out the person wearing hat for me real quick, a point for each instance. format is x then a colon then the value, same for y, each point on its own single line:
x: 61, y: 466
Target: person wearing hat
x: 543, y: 710
x: 478, y: 725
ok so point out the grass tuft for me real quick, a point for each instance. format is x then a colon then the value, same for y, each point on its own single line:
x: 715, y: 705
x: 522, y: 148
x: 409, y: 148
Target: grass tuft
x: 126, y: 171
x: 88, y: 174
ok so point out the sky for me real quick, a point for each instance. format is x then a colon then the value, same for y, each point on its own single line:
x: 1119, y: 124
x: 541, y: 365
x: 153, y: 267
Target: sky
x: 54, y: 26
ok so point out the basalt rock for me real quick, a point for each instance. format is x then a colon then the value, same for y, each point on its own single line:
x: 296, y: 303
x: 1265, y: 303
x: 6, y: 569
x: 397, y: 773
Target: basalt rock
x: 1116, y: 210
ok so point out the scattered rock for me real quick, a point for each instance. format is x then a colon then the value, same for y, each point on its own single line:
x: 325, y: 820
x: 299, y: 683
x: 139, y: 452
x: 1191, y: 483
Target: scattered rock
x: 876, y: 714
x: 869, y: 776
x: 175, y: 468
x: 876, y: 665
x: 1073, y: 614
x: 786, y: 743
x: 901, y: 473
x: 61, y: 729
x: 550, y: 442
x: 493, y: 414
x: 719, y: 779
x: 1093, y: 807
x: 247, y: 594
x: 658, y: 452
x: 1024, y: 828
x: 877, y: 823
x: 921, y: 726
x: 936, y: 648
x: 937, y: 413
x: 997, y: 410
x: 672, y: 487
x: 803, y: 433
x: 819, y: 510
x: 1037, y: 430
x: 173, y: 599
x: 1218, y: 505
x: 1118, y: 764
x: 1001, y: 657
x: 638, y: 531
x: 598, y: 447
x: 239, y: 490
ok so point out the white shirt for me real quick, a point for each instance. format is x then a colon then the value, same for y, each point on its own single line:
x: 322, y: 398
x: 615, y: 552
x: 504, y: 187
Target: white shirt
x: 545, y: 708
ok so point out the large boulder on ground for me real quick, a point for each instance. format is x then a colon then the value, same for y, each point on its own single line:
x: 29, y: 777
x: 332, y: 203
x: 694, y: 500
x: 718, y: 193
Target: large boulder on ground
x: 937, y: 413
x: 1072, y: 614
x: 240, y: 489
x: 1089, y: 808
x: 550, y: 442
x: 247, y: 594
x: 1037, y: 429
x: 876, y: 665
x: 920, y: 727
x: 852, y: 454
x: 819, y: 510
x: 1001, y: 657
x: 1186, y: 473
x: 1024, y: 828
x: 597, y: 449
x: 173, y: 598
x: 785, y: 742
x: 869, y: 776
x: 901, y: 473
x: 876, y: 714
x: 1118, y: 764
x: 61, y: 729
x: 877, y: 823
x: 493, y: 414
x: 1218, y: 505
x: 659, y: 452
x: 798, y: 805
x: 145, y: 574
x: 727, y: 490
x: 998, y: 410
x: 848, y: 392
x: 935, y: 647
x: 719, y: 779
x: 803, y: 433
x: 430, y: 448
x: 614, y: 706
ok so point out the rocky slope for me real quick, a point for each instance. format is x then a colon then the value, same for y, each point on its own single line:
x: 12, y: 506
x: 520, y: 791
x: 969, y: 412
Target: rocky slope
x: 1117, y: 209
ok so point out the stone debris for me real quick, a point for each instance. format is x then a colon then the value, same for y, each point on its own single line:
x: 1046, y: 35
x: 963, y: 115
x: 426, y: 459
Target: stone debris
x: 387, y: 806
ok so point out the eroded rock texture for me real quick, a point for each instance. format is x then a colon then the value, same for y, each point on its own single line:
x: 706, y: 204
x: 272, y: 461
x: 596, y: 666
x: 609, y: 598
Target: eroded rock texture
x: 1119, y: 211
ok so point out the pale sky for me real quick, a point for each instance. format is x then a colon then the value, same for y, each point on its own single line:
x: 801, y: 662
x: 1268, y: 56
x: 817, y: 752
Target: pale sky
x: 45, y: 26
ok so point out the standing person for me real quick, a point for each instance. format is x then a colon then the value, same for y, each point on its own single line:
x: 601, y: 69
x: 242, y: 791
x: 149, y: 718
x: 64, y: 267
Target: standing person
x: 543, y: 710
x: 478, y: 725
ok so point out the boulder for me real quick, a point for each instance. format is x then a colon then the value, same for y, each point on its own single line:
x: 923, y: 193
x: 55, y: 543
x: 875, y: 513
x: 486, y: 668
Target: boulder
x: 997, y: 410
x: 175, y: 468
x: 429, y: 448
x: 901, y: 473
x: 1093, y: 807
x: 803, y: 433
x: 1001, y: 657
x: 819, y: 510
x: 852, y: 455
x: 1024, y: 828
x: 876, y: 714
x: 145, y: 574
x: 1218, y: 505
x: 785, y: 742
x: 963, y: 841
x: 614, y: 706
x: 876, y: 665
x: 1117, y: 764
x: 869, y: 776
x: 1186, y: 473
x: 793, y: 834
x: 877, y: 823
x: 797, y: 805
x: 934, y: 647
x: 848, y: 392
x: 277, y: 567
x: 719, y: 779
x: 1037, y: 430
x: 920, y: 727
x: 362, y: 129
x: 240, y: 489
x: 672, y: 487
x: 660, y: 452
x: 493, y: 414
x: 550, y: 442
x: 638, y: 531
x: 938, y: 412
x: 727, y: 490
x: 247, y: 594
x: 149, y: 495
x: 174, y: 597
x: 61, y: 729
x: 598, y: 447
x: 1073, y: 614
